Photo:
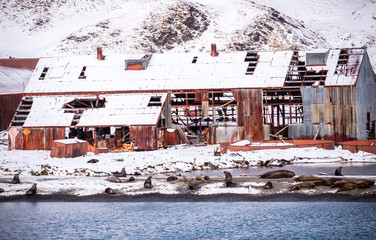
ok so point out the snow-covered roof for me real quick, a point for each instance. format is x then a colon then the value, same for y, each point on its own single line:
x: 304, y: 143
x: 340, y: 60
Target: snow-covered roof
x: 15, y: 74
x: 118, y: 110
x: 180, y: 71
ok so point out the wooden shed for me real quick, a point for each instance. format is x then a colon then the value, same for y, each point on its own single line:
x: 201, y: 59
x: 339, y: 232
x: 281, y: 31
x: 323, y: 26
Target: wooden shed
x: 69, y: 148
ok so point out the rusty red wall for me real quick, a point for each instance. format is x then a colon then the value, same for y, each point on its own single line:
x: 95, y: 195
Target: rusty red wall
x: 35, y: 138
x: 249, y: 105
x: 9, y: 104
x: 144, y: 137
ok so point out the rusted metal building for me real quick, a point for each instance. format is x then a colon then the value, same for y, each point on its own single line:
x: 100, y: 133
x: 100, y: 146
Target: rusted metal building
x: 216, y: 97
x: 14, y: 76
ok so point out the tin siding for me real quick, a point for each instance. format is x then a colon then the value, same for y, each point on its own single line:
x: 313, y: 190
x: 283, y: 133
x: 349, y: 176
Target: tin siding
x: 9, y: 104
x: 144, y: 137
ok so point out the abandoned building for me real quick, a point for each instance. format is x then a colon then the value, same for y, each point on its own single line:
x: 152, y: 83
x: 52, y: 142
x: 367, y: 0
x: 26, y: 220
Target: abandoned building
x: 149, y: 101
x: 15, y: 73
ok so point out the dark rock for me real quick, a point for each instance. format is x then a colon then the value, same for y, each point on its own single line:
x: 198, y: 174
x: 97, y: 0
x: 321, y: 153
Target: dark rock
x: 207, y: 178
x: 2, y: 190
x: 131, y: 179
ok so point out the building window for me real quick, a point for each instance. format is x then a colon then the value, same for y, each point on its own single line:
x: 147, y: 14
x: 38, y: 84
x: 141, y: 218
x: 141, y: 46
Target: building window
x: 44, y: 73
x: 82, y: 74
x: 252, y: 59
x: 155, y: 101
x: 85, y: 103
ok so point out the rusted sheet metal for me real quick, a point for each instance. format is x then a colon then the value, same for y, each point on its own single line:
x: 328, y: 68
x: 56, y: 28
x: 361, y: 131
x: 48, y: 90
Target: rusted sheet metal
x: 329, y: 113
x: 21, y: 63
x: 9, y: 104
x: 325, y: 144
x: 221, y: 134
x: 69, y: 148
x: 34, y: 138
x: 249, y: 105
x: 359, y: 145
x: 172, y: 137
x: 144, y: 137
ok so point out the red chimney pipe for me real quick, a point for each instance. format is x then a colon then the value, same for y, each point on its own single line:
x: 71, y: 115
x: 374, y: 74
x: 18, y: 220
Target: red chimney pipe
x: 99, y: 54
x: 214, y: 52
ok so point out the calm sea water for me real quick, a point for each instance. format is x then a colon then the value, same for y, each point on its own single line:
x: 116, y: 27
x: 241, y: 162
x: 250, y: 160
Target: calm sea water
x: 188, y: 220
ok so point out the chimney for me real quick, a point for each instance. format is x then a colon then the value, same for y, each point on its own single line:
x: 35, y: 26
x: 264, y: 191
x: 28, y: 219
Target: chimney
x: 99, y: 54
x: 214, y: 52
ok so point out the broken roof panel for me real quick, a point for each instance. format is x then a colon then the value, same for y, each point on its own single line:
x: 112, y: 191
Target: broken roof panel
x: 118, y: 110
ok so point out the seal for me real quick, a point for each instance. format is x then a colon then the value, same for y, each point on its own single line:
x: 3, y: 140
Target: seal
x: 199, y: 177
x: 131, y: 179
x: 171, y: 178
x: 93, y: 161
x: 147, y: 183
x: 32, y: 190
x: 268, y: 185
x: 183, y: 179
x: 228, y: 179
x: 307, y: 177
x: 302, y: 185
x: 192, y: 185
x: 16, y: 179
x: 365, y: 184
x: 113, y: 179
x: 2, y: 190
x: 109, y: 191
x: 338, y: 171
x: 122, y: 173
x: 278, y: 174
x: 207, y: 178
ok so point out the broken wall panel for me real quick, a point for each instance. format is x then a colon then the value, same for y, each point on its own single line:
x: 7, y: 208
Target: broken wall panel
x: 144, y: 137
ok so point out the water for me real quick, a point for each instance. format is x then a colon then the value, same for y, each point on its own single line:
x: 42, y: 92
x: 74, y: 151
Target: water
x: 188, y: 220
x: 348, y: 168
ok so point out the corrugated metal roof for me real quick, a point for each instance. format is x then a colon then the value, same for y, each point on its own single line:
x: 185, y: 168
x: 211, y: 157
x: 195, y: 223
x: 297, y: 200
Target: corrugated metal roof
x: 176, y: 72
x: 119, y: 110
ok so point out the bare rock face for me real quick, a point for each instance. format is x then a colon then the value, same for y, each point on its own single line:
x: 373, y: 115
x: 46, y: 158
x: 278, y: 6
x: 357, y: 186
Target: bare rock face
x: 278, y: 174
x: 32, y: 190
x: 147, y: 183
x: 16, y: 179
x: 113, y: 179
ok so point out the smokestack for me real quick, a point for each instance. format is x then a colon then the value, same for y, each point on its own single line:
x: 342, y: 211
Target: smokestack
x: 99, y: 54
x: 214, y: 52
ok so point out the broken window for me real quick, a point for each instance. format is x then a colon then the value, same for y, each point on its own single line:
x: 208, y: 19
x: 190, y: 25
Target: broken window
x: 85, y: 103
x: 194, y: 59
x: 252, y: 59
x: 316, y: 58
x: 155, y: 101
x: 44, y: 73
x: 82, y: 74
x: 343, y: 58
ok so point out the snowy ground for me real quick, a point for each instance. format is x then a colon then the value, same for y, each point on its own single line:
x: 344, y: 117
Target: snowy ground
x: 76, y: 176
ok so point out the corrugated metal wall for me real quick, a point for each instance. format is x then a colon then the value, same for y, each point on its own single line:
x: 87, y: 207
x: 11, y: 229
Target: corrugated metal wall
x: 249, y: 105
x: 144, y: 137
x: 9, y: 104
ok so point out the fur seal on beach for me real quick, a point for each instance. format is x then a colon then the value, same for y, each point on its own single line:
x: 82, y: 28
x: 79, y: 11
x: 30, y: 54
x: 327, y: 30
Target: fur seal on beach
x: 131, y: 179
x: 192, y: 185
x: 171, y: 178
x: 302, y: 185
x: 338, y: 171
x: 122, y: 173
x: 268, y: 185
x: 113, y: 179
x: 278, y: 174
x: 109, y: 191
x: 16, y: 179
x: 228, y: 179
x: 199, y: 177
x: 365, y: 184
x: 147, y: 183
x: 183, y: 179
x: 207, y: 178
x: 32, y: 190
x: 93, y: 161
x: 307, y: 177
x: 2, y: 190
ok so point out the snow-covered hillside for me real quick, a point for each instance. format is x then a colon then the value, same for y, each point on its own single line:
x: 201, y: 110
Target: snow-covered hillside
x: 37, y: 28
